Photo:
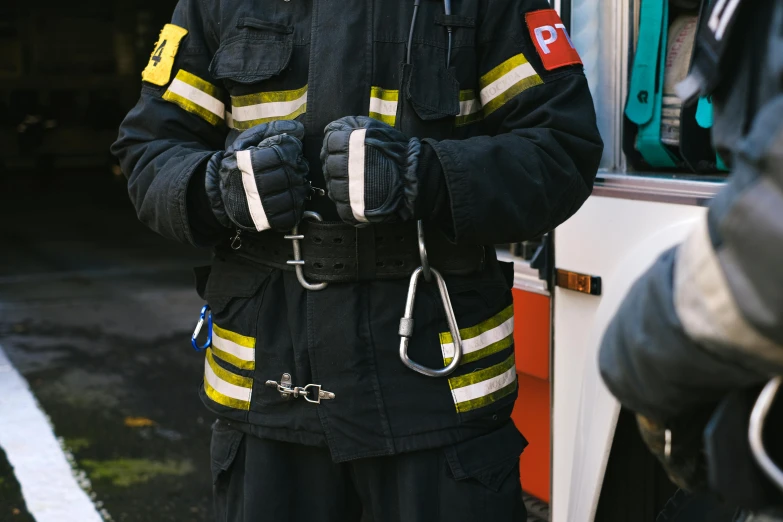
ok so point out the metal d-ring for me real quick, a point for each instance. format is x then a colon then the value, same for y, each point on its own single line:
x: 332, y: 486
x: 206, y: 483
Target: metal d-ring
x: 406, y: 322
x: 758, y: 417
x: 297, y: 261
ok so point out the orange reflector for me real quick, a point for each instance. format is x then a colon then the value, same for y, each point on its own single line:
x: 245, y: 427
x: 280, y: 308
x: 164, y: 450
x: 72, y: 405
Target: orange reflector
x: 584, y: 283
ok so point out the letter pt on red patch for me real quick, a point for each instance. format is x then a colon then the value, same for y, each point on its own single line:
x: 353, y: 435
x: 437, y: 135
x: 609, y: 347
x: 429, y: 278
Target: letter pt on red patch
x: 551, y: 39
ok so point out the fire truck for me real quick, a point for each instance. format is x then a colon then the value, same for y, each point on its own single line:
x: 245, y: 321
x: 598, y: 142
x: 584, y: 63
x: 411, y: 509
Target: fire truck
x: 586, y: 460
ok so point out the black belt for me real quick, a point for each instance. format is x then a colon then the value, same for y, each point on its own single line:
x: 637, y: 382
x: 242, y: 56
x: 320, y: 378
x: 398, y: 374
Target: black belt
x: 341, y: 253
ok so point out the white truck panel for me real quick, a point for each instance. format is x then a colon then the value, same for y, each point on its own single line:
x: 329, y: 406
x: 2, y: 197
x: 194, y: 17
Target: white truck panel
x: 616, y: 239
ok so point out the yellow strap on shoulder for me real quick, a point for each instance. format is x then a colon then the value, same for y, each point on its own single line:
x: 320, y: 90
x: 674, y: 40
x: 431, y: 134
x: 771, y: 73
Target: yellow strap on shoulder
x: 158, y: 70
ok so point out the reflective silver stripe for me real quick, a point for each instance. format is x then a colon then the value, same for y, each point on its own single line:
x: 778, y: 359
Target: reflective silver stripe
x: 198, y: 97
x: 270, y: 106
x: 387, y: 108
x: 233, y: 391
x: 383, y: 105
x: 484, y: 388
x: 481, y: 341
x: 251, y: 191
x: 356, y: 174
x: 505, y: 82
x: 469, y: 107
x: 221, y: 340
x: 705, y: 304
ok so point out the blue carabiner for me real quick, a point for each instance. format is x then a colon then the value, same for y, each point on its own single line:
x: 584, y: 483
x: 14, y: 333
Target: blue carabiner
x: 204, y: 311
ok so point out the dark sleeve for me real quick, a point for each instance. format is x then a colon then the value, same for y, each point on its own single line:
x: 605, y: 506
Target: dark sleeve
x: 707, y: 318
x: 177, y: 124
x: 536, y: 164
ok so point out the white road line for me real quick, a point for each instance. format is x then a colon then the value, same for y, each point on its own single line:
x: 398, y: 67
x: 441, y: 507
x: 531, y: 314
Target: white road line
x: 48, y: 485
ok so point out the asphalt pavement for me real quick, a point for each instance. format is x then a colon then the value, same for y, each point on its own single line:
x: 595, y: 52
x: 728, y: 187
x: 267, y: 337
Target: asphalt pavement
x: 96, y: 313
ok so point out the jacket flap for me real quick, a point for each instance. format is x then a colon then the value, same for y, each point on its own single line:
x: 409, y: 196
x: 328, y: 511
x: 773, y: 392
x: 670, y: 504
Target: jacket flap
x: 433, y: 91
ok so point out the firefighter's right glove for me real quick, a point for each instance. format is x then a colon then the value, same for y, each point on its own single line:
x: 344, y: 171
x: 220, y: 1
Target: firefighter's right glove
x: 371, y: 171
x: 259, y: 182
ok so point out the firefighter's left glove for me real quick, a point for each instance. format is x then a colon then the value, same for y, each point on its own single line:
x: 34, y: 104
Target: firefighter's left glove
x: 259, y: 182
x: 371, y: 171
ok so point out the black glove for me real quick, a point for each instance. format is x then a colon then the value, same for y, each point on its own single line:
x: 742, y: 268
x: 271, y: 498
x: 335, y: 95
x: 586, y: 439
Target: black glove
x: 259, y: 182
x: 374, y: 174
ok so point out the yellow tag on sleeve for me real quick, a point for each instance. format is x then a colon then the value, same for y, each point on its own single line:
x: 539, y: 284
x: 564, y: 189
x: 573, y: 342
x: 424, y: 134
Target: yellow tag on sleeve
x: 158, y: 70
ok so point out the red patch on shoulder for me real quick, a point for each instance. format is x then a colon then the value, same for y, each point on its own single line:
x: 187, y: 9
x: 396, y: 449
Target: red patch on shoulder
x: 551, y: 39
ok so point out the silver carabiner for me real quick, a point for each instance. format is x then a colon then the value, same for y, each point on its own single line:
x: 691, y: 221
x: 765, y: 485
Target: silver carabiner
x: 297, y: 261
x: 406, y: 322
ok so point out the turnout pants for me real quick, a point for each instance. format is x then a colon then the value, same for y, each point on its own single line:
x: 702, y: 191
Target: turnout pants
x: 259, y: 480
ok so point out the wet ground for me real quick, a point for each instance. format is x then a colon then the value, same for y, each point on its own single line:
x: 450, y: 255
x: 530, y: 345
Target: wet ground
x: 96, y: 313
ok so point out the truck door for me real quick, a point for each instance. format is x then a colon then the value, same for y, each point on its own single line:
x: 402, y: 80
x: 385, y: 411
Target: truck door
x: 637, y: 211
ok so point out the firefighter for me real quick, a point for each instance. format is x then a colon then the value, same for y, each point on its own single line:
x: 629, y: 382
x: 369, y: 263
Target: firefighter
x: 368, y: 127
x: 706, y: 319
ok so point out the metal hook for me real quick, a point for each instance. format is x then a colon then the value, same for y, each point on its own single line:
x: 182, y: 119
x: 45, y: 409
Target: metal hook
x: 425, y: 263
x: 758, y: 418
x: 193, y: 341
x: 297, y: 261
x: 406, y: 327
x: 406, y: 322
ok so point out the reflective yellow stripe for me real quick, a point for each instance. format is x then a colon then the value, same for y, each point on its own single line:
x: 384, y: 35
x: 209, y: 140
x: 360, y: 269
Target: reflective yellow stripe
x: 241, y: 340
x: 196, y: 96
x: 244, y: 125
x: 505, y: 81
x: 481, y: 375
x: 384, y: 94
x: 227, y: 376
x: 254, y: 109
x: 483, y: 387
x: 268, y: 97
x: 192, y: 107
x: 486, y: 351
x: 490, y: 336
x: 486, y: 400
x: 484, y: 326
x: 219, y: 398
x: 502, y: 70
x: 234, y: 348
x: 470, y: 108
x: 383, y: 105
x: 198, y: 83
x: 232, y: 359
x: 224, y: 387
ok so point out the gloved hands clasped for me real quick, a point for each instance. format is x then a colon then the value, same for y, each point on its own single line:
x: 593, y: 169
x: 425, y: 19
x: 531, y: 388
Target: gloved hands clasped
x: 259, y: 182
x: 375, y: 174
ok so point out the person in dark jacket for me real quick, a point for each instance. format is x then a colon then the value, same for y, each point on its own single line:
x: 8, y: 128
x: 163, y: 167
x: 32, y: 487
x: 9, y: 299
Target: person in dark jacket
x: 707, y: 319
x: 476, y: 123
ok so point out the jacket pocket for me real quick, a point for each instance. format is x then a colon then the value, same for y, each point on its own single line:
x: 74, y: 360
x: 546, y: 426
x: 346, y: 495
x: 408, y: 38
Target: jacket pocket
x: 430, y: 101
x: 227, y: 456
x: 488, y: 460
x: 223, y: 448
x: 232, y: 280
x: 260, y: 51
